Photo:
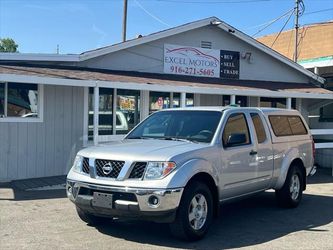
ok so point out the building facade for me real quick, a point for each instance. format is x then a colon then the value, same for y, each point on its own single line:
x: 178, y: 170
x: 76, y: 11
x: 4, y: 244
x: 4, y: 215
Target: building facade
x: 53, y: 105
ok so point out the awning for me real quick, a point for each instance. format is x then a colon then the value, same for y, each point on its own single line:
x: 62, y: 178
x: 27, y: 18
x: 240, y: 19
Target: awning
x: 74, y: 76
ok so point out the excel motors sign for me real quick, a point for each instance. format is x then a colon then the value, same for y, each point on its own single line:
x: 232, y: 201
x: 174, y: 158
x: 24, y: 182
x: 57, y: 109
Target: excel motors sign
x: 192, y: 61
x: 183, y: 60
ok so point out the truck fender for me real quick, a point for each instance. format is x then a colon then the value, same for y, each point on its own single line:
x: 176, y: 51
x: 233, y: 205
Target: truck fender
x: 189, y: 169
x: 288, y: 158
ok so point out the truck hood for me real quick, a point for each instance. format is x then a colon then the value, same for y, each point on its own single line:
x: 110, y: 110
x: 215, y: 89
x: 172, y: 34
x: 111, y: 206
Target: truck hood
x: 141, y: 150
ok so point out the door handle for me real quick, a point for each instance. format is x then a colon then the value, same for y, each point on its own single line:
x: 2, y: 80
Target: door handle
x: 253, y: 152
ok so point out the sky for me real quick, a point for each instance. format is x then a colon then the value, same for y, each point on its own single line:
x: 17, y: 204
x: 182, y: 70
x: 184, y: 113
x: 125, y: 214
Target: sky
x: 39, y: 26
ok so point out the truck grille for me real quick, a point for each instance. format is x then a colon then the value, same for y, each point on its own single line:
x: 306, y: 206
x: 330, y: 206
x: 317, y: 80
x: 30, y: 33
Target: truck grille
x: 138, y: 170
x: 108, y: 168
x: 85, y: 165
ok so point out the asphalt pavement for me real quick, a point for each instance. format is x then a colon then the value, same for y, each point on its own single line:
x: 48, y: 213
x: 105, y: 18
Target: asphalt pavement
x: 46, y: 219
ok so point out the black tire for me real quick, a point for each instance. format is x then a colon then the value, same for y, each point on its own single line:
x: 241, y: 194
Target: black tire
x: 288, y: 196
x: 89, y: 218
x: 182, y: 227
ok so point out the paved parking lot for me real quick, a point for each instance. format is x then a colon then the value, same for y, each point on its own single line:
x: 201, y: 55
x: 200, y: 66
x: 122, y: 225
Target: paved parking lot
x: 47, y: 220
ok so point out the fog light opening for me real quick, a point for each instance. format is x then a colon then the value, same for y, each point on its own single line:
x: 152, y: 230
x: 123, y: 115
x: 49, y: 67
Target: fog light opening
x: 153, y: 201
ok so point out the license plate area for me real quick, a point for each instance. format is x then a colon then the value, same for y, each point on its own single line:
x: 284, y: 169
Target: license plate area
x: 102, y: 200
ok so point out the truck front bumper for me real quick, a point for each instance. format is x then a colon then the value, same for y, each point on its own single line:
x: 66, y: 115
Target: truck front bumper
x: 150, y: 204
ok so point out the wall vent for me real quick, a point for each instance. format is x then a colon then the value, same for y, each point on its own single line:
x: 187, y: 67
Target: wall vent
x: 206, y: 44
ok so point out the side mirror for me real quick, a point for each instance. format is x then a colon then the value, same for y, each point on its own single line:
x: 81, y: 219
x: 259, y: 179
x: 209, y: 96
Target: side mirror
x: 236, y: 139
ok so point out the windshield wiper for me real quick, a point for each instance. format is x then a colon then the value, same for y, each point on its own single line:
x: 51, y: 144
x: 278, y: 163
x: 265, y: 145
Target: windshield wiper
x: 138, y: 137
x: 175, y: 139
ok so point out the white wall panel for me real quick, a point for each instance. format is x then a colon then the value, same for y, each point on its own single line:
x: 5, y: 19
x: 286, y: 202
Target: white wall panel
x: 29, y: 150
x: 149, y: 57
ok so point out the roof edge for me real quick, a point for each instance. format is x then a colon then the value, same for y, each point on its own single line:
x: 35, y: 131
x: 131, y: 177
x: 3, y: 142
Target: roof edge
x: 253, y: 42
x: 38, y: 57
x: 149, y: 38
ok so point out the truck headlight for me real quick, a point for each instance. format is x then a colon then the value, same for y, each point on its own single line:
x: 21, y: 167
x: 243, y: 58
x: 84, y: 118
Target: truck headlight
x: 158, y: 170
x: 77, y: 165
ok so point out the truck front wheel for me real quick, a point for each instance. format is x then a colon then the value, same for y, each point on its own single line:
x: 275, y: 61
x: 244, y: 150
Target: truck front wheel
x: 194, y: 214
x: 290, y: 194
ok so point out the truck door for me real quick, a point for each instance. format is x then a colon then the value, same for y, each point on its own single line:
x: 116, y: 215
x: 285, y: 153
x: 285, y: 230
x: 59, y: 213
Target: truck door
x: 263, y: 147
x: 238, y: 156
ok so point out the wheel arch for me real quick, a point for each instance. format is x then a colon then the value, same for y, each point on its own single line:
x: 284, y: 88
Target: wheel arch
x: 208, y: 180
x: 284, y: 172
x: 299, y: 162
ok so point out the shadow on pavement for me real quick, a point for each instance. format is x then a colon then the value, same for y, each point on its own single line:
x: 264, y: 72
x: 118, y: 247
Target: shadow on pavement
x: 28, y: 189
x: 37, y: 195
x: 323, y: 175
x: 13, y: 194
x: 244, y: 223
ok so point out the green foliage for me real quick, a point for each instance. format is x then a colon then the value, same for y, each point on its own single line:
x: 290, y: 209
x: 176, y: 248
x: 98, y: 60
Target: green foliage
x: 8, y: 45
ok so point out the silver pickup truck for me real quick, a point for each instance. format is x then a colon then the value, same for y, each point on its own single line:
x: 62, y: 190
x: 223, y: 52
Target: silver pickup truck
x: 178, y: 165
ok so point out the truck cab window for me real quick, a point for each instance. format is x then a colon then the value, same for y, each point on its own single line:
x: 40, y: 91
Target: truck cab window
x: 236, y: 124
x: 259, y: 127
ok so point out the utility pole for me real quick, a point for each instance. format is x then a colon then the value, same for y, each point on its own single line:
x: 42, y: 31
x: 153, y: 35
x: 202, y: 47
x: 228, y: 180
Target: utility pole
x: 296, y: 28
x: 124, y: 20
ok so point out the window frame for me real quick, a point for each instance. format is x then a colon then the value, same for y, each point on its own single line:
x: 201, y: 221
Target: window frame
x: 40, y: 106
x: 247, y: 126
x: 287, y: 116
x: 322, y: 117
x: 263, y: 126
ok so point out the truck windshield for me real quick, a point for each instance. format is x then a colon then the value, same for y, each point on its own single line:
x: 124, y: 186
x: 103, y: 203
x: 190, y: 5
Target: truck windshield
x: 195, y: 126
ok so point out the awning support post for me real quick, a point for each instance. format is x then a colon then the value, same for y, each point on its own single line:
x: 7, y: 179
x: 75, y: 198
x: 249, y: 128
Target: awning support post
x: 96, y: 110
x: 289, y: 103
x: 114, y: 112
x: 183, y: 100
x: 144, y: 104
x: 232, y: 100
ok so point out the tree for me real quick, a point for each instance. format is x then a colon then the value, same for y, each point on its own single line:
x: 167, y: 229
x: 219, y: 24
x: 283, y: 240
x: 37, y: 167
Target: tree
x: 8, y: 45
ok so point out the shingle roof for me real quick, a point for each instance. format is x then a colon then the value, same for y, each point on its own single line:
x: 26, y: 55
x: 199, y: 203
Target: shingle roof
x: 315, y: 40
x: 158, y: 79
x: 167, y: 33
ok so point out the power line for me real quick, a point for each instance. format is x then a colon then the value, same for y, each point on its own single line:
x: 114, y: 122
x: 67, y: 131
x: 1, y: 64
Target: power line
x: 276, y: 19
x: 282, y: 29
x: 317, y: 11
x: 273, y: 21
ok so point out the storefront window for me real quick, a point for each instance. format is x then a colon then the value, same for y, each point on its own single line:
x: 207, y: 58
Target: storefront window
x: 176, y: 100
x: 240, y: 100
x: 18, y: 100
x: 105, y: 112
x: 162, y: 100
x: 276, y: 102
x: 22, y: 100
x: 326, y: 113
x: 128, y: 110
x: 273, y: 102
x: 158, y: 101
x: 189, y: 100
